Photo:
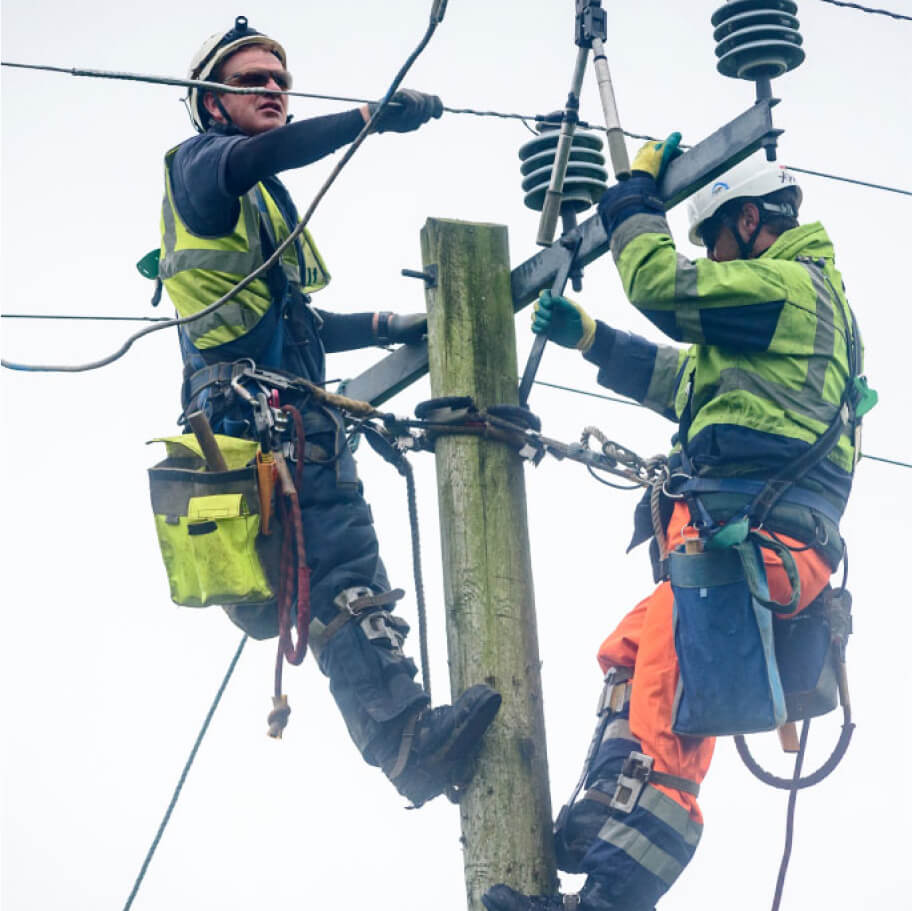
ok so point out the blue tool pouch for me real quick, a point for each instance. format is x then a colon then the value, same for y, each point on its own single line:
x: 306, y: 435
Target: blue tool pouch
x: 729, y: 680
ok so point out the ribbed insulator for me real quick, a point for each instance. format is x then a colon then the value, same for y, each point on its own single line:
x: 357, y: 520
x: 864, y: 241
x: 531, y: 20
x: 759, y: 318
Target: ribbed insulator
x: 757, y: 39
x: 586, y: 178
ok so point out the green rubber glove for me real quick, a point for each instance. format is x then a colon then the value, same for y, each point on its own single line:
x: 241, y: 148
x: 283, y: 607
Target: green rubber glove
x: 563, y: 321
x: 654, y: 156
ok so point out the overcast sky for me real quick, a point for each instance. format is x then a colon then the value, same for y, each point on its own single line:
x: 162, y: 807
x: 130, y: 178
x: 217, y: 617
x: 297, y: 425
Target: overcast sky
x: 105, y: 682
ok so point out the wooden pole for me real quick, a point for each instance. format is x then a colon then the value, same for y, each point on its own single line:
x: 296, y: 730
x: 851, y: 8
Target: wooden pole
x: 491, y: 628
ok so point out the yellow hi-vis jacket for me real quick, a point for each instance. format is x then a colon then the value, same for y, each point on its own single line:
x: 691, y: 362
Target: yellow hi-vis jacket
x: 197, y: 271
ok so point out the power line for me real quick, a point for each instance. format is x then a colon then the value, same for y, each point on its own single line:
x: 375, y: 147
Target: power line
x: 595, y: 395
x: 134, y: 319
x: 436, y: 17
x: 865, y: 455
x: 861, y: 183
x: 183, y: 774
x: 868, y: 9
x: 474, y: 112
x: 620, y: 401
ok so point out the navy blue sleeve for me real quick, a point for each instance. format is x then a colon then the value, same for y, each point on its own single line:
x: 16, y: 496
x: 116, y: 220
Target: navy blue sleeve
x: 198, y: 179
x: 637, y: 368
x: 211, y: 171
x: 292, y: 146
x: 625, y: 361
x: 345, y: 331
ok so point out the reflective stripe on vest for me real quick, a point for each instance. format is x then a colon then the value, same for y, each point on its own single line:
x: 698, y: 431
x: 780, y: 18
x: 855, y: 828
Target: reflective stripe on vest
x: 197, y: 271
x: 767, y: 392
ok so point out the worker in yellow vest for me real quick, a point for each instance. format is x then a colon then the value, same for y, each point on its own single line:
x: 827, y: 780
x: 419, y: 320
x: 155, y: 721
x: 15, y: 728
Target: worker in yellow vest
x: 224, y: 213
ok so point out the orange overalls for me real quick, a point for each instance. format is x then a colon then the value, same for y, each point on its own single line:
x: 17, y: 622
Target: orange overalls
x: 644, y: 641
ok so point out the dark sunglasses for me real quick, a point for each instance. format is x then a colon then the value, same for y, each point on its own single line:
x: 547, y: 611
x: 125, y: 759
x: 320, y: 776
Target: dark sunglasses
x: 259, y: 79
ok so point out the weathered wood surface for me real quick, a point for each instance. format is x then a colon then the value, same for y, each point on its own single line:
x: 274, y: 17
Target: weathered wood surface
x: 491, y: 626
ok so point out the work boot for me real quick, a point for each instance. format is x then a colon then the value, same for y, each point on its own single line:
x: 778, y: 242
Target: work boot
x: 503, y: 898
x: 439, y: 745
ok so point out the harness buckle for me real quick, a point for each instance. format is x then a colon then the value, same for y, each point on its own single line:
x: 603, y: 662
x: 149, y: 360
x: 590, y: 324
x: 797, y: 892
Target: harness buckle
x: 614, y: 692
x: 634, y: 775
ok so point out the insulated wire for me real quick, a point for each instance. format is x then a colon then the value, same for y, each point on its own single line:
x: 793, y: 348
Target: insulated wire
x: 619, y: 401
x: 868, y: 9
x: 524, y: 118
x: 435, y: 19
x: 183, y: 774
x: 126, y: 319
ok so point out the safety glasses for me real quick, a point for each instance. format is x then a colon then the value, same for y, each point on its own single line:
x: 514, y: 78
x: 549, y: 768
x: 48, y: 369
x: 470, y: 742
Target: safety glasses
x: 260, y: 79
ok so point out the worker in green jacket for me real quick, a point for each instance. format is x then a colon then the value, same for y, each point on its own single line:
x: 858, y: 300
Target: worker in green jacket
x: 772, y: 368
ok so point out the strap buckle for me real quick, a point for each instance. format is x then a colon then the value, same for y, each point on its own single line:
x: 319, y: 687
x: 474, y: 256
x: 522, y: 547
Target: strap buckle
x: 634, y: 775
x: 614, y: 693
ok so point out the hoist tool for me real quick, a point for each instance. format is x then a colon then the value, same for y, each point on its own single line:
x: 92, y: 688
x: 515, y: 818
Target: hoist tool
x: 591, y: 31
x: 554, y: 193
x: 592, y: 27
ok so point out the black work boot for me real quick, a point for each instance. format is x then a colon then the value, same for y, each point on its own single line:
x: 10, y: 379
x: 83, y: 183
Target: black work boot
x: 439, y: 745
x: 503, y: 898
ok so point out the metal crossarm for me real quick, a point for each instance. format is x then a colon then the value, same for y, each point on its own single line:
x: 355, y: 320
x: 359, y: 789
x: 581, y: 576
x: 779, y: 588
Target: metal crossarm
x: 685, y: 175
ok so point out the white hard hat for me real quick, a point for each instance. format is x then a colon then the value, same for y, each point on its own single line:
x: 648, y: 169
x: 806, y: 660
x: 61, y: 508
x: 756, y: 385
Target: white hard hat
x: 214, y: 50
x: 753, y: 178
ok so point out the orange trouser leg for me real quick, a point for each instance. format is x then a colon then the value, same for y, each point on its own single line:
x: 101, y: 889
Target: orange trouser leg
x: 644, y: 640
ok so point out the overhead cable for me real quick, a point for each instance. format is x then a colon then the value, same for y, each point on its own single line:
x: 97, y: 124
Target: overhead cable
x: 620, y: 401
x: 436, y: 17
x: 868, y: 9
x: 861, y: 183
x: 127, y: 319
x: 183, y: 774
x: 524, y: 118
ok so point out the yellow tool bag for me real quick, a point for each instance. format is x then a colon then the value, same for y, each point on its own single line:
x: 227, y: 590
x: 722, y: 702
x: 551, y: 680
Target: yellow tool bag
x: 208, y: 524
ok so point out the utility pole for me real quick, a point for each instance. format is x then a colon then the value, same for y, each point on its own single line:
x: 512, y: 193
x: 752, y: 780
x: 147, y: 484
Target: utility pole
x: 491, y: 628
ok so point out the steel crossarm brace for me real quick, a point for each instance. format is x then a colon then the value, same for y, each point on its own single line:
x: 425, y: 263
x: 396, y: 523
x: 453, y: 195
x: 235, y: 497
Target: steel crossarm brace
x: 717, y: 153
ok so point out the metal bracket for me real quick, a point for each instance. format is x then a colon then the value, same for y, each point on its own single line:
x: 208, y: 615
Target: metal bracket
x: 591, y: 22
x: 429, y: 276
x: 685, y: 175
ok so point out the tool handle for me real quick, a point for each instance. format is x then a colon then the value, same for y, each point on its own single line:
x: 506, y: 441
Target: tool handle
x: 538, y: 346
x: 286, y: 482
x: 202, y: 430
x: 554, y: 194
x: 617, y: 148
x: 531, y: 368
x: 788, y: 737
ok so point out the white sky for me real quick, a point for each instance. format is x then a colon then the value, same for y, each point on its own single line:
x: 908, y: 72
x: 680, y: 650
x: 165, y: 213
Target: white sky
x: 105, y: 682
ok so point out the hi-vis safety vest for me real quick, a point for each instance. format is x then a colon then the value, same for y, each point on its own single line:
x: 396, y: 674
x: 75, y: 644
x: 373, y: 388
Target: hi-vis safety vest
x: 196, y: 271
x: 769, y: 336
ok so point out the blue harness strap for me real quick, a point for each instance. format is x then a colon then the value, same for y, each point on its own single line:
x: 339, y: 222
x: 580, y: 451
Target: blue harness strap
x: 796, y: 495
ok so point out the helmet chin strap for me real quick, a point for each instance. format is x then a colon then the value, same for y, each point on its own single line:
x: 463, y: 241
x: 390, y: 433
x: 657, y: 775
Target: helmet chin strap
x: 745, y: 247
x: 223, y: 111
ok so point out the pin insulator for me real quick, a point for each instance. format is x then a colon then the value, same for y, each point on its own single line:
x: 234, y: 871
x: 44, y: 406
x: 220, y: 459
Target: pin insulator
x: 586, y: 178
x: 757, y: 39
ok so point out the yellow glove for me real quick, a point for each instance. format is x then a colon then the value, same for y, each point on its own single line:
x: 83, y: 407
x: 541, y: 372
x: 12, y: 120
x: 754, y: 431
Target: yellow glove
x: 654, y: 156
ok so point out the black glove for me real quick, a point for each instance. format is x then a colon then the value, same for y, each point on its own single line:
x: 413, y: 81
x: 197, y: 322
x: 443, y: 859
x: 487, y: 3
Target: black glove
x: 406, y: 328
x: 406, y: 111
